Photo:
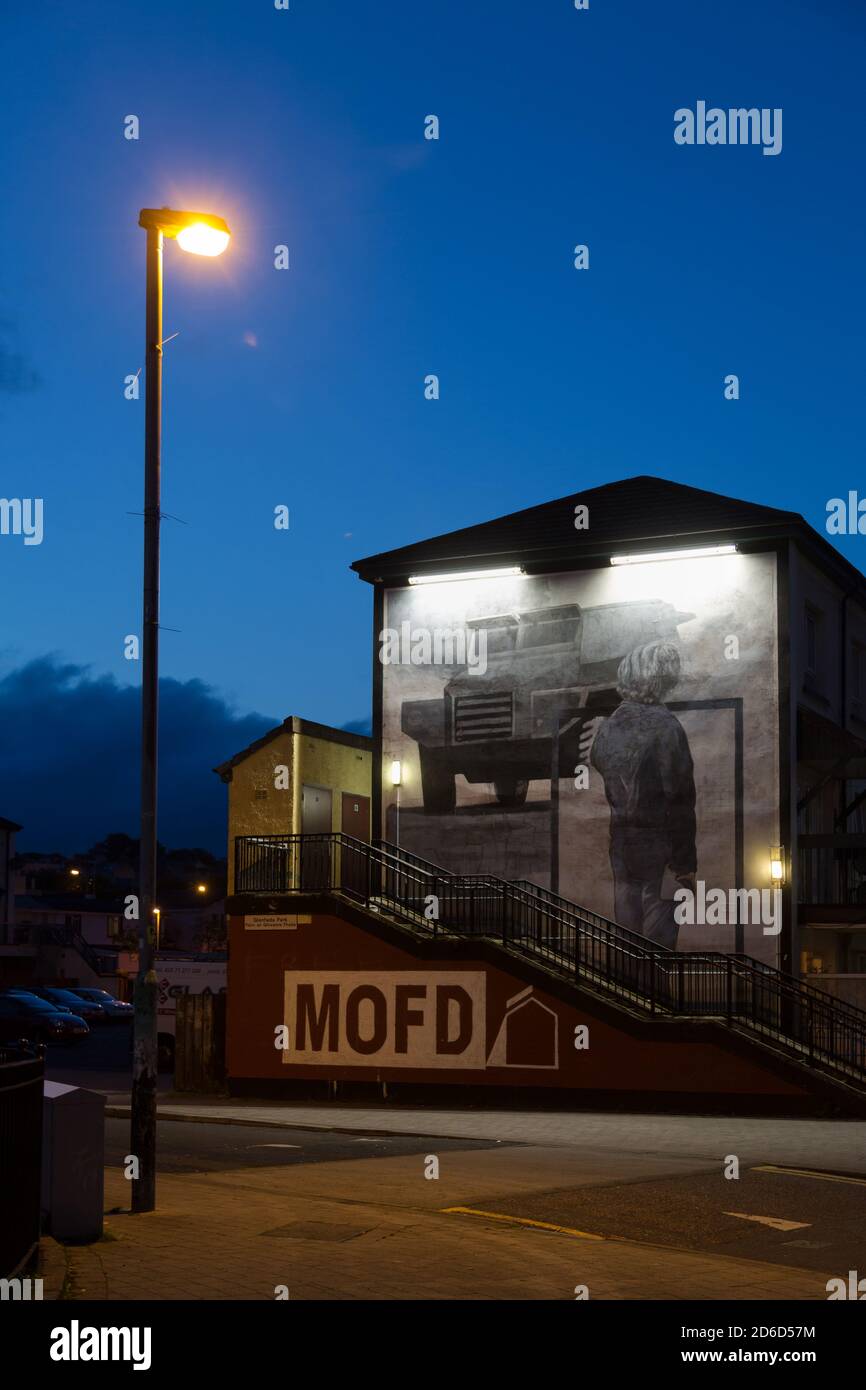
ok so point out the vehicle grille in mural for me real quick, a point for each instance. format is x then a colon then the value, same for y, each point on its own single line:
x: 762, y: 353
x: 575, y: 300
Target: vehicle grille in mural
x: 478, y: 717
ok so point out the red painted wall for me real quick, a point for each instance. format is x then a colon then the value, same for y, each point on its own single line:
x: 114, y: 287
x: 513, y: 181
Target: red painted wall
x: 384, y: 1019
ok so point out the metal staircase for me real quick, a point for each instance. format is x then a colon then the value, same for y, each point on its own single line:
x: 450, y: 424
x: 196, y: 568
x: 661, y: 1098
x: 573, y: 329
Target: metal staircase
x: 789, y: 1016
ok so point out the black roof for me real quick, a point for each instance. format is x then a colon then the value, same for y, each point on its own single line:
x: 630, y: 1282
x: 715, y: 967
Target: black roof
x: 295, y: 725
x: 641, y: 512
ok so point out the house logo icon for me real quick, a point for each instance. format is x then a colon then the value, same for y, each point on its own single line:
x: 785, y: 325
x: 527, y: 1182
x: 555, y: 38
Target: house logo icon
x: 528, y: 1036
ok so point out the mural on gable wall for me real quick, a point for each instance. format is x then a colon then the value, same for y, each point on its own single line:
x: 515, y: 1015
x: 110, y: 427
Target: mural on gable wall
x: 609, y: 734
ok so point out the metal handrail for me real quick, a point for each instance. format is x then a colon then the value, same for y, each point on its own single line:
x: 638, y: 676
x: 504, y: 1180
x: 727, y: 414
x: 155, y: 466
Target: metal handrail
x: 566, y: 905
x: 810, y: 1024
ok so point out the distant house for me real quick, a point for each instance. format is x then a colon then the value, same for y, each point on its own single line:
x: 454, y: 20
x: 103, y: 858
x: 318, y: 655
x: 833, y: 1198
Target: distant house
x: 99, y: 921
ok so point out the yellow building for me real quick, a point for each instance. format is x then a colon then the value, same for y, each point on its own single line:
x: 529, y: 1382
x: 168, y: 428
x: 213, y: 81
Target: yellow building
x: 299, y: 778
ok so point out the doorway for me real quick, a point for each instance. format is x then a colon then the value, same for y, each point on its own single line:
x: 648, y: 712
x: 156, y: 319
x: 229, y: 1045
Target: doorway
x: 316, y: 815
x: 316, y: 854
x: 356, y: 816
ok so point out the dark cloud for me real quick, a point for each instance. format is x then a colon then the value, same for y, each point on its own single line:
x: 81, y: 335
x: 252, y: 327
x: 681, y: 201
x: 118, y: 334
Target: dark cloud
x: 69, y: 757
x: 358, y: 726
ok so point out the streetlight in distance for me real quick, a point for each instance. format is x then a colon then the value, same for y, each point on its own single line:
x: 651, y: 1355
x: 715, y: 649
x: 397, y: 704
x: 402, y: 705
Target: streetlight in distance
x: 204, y: 235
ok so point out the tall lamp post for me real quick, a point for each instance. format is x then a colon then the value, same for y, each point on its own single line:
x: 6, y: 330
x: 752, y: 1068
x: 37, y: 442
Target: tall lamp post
x: 203, y: 235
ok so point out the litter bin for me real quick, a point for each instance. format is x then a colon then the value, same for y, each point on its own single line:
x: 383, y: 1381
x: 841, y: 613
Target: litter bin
x: 73, y: 1154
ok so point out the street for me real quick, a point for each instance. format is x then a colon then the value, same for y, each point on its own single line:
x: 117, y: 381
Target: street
x: 184, y: 1147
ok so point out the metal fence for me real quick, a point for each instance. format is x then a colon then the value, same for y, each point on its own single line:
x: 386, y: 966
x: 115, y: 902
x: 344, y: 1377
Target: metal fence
x: 21, y: 1075
x: 806, y: 1023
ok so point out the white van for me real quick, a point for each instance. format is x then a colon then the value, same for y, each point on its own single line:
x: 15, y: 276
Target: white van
x: 176, y: 977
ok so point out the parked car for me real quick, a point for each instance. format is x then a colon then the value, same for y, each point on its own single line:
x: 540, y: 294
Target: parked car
x: 116, y: 1010
x: 25, y: 1015
x: 66, y: 999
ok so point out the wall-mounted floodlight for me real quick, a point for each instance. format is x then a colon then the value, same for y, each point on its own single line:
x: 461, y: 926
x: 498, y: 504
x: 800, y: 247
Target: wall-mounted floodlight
x: 510, y: 573
x: 701, y: 554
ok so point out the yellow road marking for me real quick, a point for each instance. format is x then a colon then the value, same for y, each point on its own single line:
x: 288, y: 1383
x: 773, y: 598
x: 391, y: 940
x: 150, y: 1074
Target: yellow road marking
x: 807, y: 1173
x: 521, y: 1221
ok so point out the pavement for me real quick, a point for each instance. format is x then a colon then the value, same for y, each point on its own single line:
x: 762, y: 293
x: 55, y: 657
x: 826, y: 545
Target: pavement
x: 459, y: 1219
x: 836, y: 1145
x: 379, y: 1229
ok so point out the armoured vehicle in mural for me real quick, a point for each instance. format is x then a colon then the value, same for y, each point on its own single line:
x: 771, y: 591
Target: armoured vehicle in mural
x: 549, y: 670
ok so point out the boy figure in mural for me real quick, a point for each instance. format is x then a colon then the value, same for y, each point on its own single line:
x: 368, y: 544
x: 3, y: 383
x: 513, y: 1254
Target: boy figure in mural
x: 644, y: 758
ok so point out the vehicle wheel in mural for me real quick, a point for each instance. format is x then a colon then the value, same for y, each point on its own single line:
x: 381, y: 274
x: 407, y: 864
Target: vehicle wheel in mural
x: 511, y: 791
x: 437, y: 783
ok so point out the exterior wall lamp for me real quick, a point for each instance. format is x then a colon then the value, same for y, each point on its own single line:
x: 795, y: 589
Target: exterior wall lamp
x: 699, y: 554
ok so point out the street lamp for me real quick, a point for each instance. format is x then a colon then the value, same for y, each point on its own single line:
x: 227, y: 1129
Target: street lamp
x: 203, y: 235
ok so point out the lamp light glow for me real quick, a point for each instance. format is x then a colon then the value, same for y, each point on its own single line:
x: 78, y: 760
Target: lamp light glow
x: 202, y: 240
x: 396, y: 773
x: 699, y: 554
x: 512, y: 571
x: 777, y: 865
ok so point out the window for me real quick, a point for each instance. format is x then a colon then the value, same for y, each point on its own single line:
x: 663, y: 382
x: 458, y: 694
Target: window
x: 813, y: 640
x: 113, y: 927
x: 73, y: 920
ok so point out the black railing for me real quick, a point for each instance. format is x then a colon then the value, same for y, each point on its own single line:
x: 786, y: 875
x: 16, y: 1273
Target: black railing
x: 21, y: 1075
x: 53, y: 934
x: 803, y: 1021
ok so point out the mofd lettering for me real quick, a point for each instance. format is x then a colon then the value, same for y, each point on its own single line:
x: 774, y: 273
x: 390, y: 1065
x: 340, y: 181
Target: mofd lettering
x: 390, y: 1018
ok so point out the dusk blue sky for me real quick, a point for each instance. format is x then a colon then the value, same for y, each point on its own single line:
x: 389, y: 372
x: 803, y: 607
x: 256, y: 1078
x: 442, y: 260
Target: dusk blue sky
x: 408, y: 257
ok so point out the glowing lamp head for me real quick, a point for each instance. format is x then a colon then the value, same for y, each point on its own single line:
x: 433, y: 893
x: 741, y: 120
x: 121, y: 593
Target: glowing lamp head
x: 777, y: 865
x: 201, y: 887
x: 396, y: 773
x: 202, y: 240
x: 200, y: 233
